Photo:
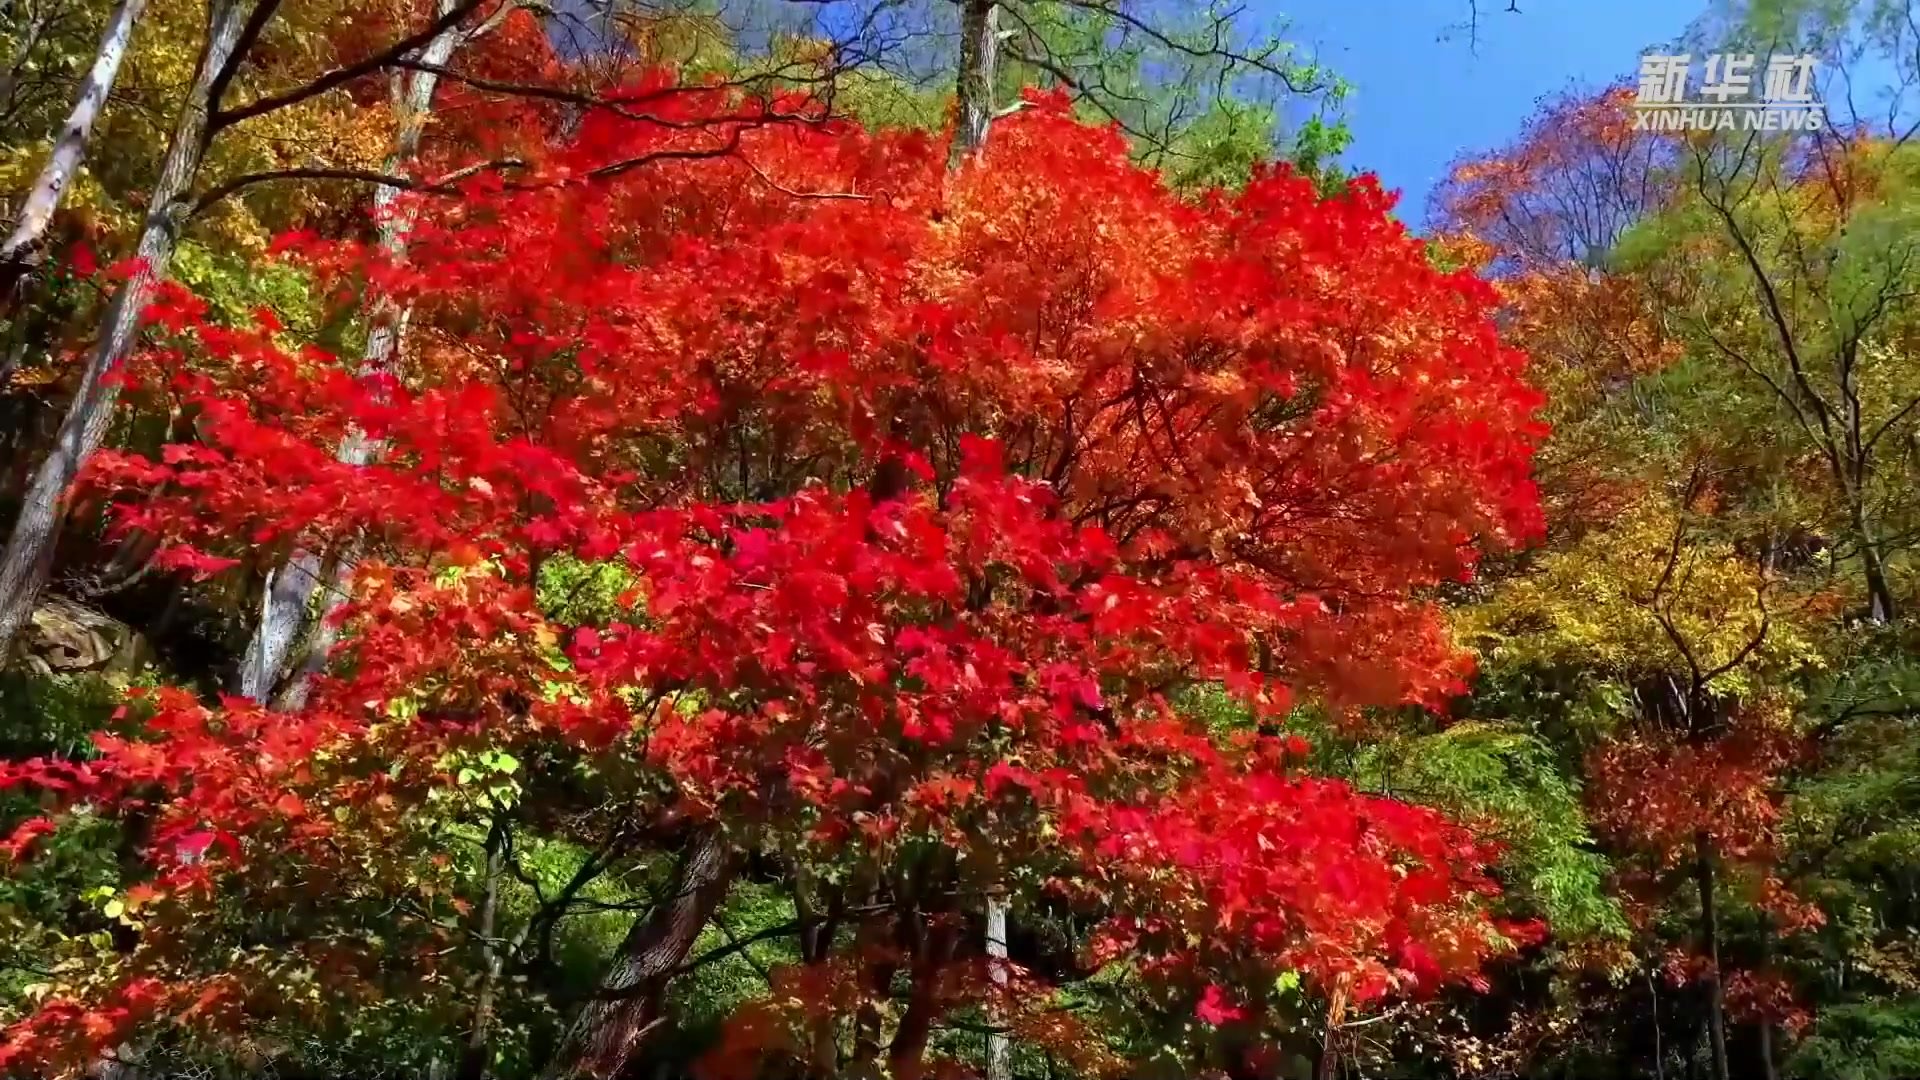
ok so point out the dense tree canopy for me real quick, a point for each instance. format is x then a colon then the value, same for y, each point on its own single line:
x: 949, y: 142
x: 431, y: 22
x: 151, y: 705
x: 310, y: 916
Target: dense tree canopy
x: 916, y: 654
x: 880, y: 540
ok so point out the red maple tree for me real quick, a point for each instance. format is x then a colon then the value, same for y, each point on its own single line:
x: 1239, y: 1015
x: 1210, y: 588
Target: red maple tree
x: 929, y: 493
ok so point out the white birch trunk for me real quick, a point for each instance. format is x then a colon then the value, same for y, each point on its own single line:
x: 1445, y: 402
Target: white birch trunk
x: 28, y: 556
x: 294, y: 631
x: 999, y: 1065
x: 21, y: 249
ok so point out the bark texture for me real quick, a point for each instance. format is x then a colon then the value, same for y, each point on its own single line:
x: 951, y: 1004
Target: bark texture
x: 294, y: 634
x: 24, y: 248
x: 28, y: 556
x: 605, y: 1039
x: 979, y: 59
x: 1710, y: 938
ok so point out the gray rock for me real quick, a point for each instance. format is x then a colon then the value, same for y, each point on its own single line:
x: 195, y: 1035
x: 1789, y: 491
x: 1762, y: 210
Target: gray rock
x: 65, y: 636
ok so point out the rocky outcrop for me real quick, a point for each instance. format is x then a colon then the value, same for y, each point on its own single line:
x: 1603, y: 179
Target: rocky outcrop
x: 65, y: 636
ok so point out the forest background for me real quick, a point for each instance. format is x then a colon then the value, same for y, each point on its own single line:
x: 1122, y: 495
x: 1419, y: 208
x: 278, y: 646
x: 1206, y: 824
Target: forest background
x: 874, y: 538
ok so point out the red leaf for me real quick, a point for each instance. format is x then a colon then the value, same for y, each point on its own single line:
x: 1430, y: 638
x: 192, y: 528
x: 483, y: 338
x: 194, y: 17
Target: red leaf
x: 1216, y: 1008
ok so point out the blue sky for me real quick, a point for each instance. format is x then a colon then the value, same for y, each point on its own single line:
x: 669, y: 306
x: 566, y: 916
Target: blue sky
x: 1421, y: 96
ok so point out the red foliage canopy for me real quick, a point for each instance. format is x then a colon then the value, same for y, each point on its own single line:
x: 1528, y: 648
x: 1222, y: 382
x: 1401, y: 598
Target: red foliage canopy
x: 931, y: 493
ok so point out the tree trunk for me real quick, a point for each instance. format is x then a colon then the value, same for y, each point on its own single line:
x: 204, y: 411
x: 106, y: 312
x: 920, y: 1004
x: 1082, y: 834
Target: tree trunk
x: 1880, y: 606
x: 606, y: 1037
x: 999, y: 1065
x: 289, y: 590
x: 973, y: 90
x: 1710, y: 937
x: 1336, y: 1015
x: 1659, y: 1046
x: 817, y: 932
x: 295, y: 629
x: 474, y: 1059
x: 1769, y: 1070
x: 22, y: 250
x: 874, y: 950
x: 28, y: 556
x: 294, y: 634
x: 906, y: 1056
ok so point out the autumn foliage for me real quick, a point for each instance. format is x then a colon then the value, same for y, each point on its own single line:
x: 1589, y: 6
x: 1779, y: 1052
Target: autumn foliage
x: 928, y: 494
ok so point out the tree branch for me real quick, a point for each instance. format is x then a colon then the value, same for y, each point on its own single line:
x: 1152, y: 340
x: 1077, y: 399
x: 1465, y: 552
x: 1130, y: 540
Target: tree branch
x: 226, y: 118
x: 257, y: 20
x: 441, y: 186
